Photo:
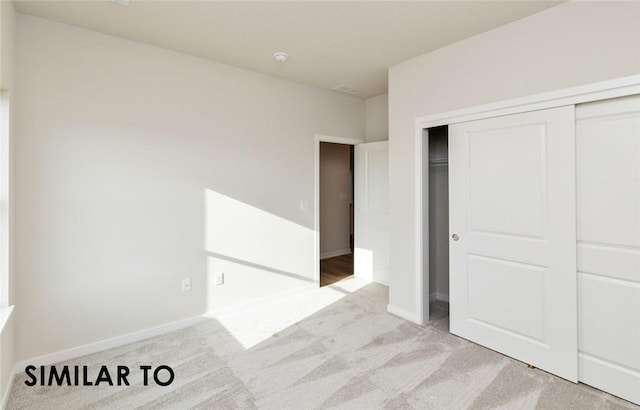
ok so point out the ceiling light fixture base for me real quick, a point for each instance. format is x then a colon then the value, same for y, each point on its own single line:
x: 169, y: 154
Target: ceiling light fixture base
x: 281, y: 57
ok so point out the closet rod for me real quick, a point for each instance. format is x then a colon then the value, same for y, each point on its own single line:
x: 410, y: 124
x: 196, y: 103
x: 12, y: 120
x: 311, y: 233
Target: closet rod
x: 440, y: 162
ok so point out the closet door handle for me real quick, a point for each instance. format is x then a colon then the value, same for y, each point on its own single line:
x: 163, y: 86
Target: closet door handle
x: 455, y: 237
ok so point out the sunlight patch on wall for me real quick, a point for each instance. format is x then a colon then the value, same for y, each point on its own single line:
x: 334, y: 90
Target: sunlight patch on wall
x: 260, y: 254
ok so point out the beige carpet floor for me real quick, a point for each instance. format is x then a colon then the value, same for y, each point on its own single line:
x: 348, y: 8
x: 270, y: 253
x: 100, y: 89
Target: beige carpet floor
x: 349, y: 355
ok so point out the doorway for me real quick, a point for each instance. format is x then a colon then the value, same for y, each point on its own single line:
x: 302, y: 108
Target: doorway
x: 336, y: 209
x: 370, y: 200
x: 437, y: 215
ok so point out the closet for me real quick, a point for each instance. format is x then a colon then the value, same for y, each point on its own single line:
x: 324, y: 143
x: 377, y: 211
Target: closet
x: 438, y: 215
x: 543, y: 234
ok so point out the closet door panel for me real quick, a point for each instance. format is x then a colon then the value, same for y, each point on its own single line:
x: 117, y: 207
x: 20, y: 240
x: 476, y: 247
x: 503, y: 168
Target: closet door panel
x: 609, y: 200
x: 615, y: 262
x: 512, y: 207
x: 605, y: 333
x: 500, y: 202
x: 608, y: 208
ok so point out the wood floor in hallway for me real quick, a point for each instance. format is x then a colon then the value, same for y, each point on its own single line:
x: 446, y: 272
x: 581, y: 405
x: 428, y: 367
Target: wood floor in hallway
x: 335, y: 269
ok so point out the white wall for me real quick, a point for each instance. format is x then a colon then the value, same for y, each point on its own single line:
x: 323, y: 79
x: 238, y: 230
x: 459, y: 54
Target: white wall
x: 137, y: 167
x: 335, y: 179
x: 7, y: 333
x: 377, y: 118
x: 568, y: 45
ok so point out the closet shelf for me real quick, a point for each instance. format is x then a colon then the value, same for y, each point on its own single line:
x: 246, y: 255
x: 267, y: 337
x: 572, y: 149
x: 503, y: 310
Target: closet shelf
x: 438, y: 162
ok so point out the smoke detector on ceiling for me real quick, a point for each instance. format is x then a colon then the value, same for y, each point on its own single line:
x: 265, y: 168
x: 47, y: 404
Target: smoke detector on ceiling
x: 281, y: 57
x: 347, y: 89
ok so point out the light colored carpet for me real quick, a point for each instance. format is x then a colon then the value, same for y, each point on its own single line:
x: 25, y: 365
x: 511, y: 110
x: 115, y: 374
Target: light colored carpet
x: 349, y: 355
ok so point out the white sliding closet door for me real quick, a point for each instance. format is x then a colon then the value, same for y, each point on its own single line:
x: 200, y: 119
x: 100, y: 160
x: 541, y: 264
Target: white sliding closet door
x: 608, y: 164
x: 513, y: 236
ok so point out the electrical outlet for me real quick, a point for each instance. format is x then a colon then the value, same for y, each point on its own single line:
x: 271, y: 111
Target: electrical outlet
x: 186, y: 285
x: 219, y: 278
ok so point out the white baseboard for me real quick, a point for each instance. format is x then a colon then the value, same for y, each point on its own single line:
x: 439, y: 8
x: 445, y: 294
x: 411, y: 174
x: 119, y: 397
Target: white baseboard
x: 438, y: 296
x: 404, y: 314
x: 333, y: 254
x: 110, y: 343
x: 260, y: 301
x: 118, y: 341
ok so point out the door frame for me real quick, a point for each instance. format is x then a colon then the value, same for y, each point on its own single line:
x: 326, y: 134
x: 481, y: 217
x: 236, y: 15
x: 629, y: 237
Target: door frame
x: 316, y: 196
x: 619, y: 87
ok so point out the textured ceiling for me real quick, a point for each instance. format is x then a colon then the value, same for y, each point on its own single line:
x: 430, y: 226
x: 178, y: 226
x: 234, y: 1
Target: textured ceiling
x: 329, y: 43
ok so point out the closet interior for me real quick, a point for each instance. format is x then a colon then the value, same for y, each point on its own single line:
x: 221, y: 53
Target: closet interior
x: 438, y: 220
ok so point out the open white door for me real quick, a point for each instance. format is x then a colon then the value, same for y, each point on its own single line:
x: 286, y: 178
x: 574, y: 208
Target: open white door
x: 371, y: 254
x: 513, y: 236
